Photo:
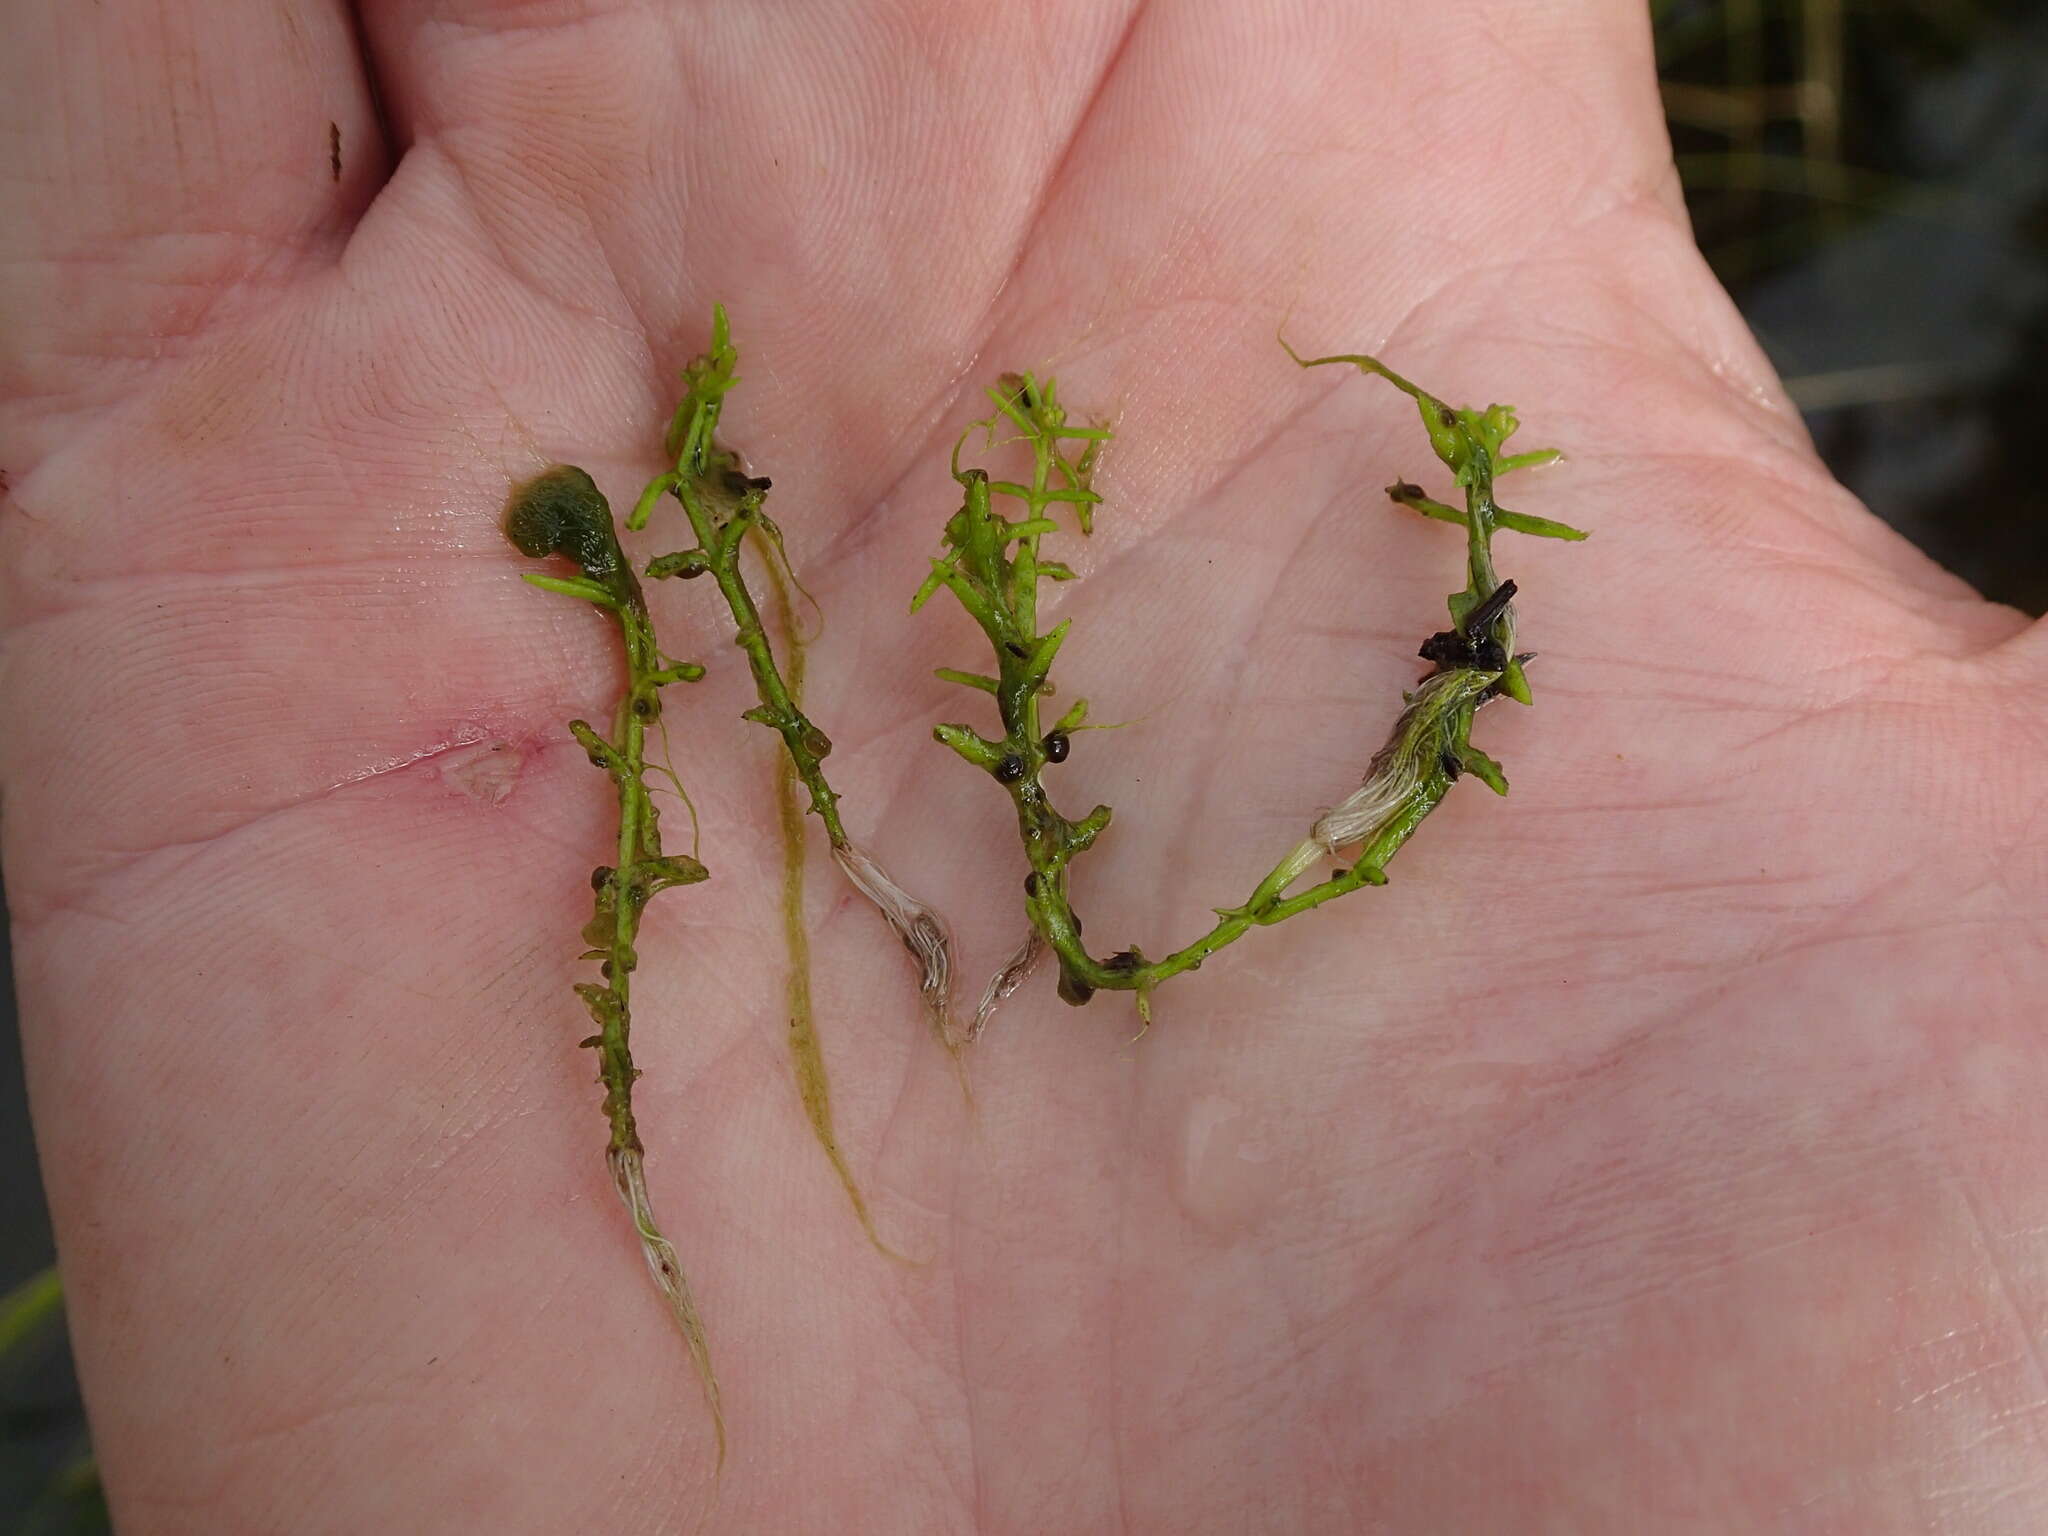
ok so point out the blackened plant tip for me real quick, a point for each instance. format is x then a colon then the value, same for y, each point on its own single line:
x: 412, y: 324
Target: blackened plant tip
x: 990, y: 563
x: 561, y: 512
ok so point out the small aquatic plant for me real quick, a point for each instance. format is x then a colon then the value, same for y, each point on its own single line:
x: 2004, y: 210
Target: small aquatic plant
x: 561, y: 512
x: 992, y: 565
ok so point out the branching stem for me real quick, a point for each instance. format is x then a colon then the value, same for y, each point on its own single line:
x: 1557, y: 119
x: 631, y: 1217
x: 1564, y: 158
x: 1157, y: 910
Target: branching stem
x: 992, y: 565
x: 724, y: 505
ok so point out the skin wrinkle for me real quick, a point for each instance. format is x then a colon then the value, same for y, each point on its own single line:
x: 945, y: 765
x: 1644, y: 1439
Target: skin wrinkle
x: 1302, y: 1357
x: 1117, y: 1288
x: 976, y: 1476
x: 2002, y: 1286
x: 946, y: 400
x: 1208, y: 782
x: 31, y: 907
x: 1057, y: 167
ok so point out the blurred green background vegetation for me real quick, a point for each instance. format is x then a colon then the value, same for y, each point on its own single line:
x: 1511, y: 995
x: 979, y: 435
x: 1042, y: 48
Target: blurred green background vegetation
x: 1870, y: 180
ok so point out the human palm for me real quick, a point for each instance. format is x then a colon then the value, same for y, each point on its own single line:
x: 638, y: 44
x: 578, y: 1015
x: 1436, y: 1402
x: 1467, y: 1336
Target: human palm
x: 1656, y: 1152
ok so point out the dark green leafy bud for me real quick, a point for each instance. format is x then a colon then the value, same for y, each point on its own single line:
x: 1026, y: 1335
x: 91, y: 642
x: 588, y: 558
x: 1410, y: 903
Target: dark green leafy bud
x: 560, y: 511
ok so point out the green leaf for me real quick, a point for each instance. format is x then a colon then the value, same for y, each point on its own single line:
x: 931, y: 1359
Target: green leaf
x: 1040, y: 662
x: 657, y: 488
x: 673, y: 869
x: 970, y: 744
x: 965, y: 679
x: 1538, y: 527
x: 1412, y: 497
x: 1483, y: 768
x: 931, y: 584
x: 571, y: 586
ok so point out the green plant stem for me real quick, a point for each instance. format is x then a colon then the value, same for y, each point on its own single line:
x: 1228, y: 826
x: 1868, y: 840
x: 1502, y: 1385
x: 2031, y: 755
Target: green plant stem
x: 561, y: 512
x: 724, y: 507
x: 724, y: 504
x: 992, y: 566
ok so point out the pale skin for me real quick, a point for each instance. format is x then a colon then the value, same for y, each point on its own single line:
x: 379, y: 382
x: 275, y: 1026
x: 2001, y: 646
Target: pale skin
x: 1660, y: 1151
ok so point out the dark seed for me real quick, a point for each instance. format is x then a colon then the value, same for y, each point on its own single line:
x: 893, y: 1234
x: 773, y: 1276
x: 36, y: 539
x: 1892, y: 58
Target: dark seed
x: 1010, y: 769
x: 1031, y: 885
x: 1056, y: 745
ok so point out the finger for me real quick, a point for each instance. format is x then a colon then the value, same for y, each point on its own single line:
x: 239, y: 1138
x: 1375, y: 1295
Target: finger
x: 159, y: 158
x: 852, y: 181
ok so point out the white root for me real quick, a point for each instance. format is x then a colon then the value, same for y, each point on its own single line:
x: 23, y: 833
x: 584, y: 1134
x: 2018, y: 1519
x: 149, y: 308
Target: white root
x: 1005, y: 981
x: 629, y: 1178
x: 919, y: 926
